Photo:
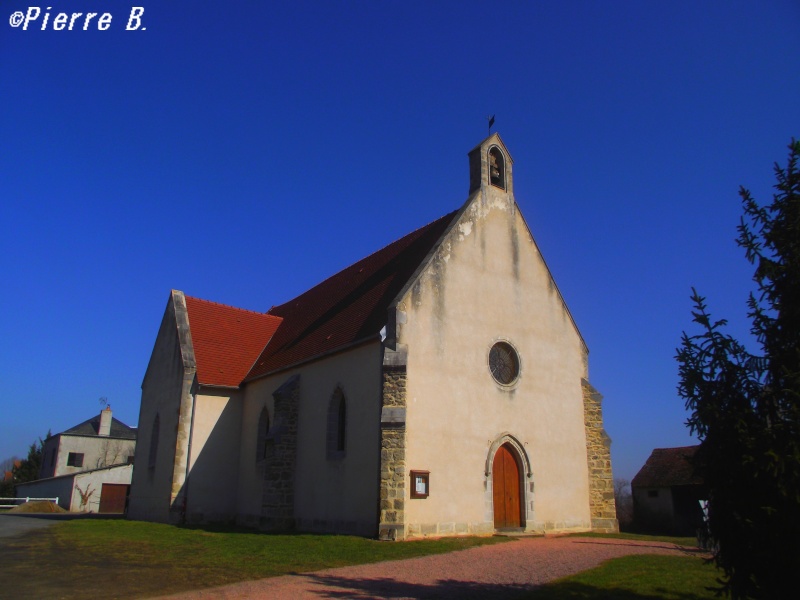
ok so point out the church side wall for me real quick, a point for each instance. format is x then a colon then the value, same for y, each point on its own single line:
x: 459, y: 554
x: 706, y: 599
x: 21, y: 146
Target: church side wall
x: 213, y: 457
x: 488, y: 283
x: 336, y: 492
x: 162, y: 392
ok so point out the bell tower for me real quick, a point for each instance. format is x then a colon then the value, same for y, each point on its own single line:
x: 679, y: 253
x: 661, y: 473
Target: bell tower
x: 490, y: 167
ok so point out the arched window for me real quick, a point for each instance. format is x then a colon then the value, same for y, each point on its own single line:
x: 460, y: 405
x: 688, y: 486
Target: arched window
x: 151, y: 461
x: 263, y: 433
x: 497, y: 168
x: 337, y: 425
x: 341, y: 426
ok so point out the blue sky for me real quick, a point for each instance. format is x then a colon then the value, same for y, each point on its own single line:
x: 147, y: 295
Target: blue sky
x: 243, y: 151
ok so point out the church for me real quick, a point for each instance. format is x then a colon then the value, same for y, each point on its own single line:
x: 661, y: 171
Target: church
x: 437, y: 387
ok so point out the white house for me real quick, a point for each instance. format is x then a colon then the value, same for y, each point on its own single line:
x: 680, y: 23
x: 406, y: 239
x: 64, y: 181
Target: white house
x: 103, y: 490
x: 87, y: 467
x: 98, y: 442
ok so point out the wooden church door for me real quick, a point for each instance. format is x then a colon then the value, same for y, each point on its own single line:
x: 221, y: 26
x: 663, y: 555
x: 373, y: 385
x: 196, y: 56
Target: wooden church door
x: 505, y: 489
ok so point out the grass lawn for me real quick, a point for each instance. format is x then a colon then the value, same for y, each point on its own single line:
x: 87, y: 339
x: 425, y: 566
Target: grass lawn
x: 637, y: 577
x: 132, y: 559
x: 137, y: 559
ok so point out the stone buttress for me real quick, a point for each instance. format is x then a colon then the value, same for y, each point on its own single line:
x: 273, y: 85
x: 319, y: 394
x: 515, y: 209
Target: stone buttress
x: 393, y: 446
x: 598, y: 454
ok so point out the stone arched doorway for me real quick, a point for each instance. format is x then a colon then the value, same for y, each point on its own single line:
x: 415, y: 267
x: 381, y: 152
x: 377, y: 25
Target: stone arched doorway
x: 509, y: 485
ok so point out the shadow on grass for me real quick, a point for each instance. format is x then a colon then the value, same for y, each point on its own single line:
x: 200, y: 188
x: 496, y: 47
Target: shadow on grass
x: 233, y: 528
x: 689, y: 550
x: 344, y: 587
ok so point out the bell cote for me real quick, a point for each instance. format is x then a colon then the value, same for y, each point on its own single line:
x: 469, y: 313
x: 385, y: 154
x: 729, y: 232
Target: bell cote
x: 490, y: 166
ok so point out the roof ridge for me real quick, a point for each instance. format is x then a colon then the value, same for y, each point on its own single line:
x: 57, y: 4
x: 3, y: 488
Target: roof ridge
x: 362, y: 259
x: 246, y: 310
x: 398, y: 239
x: 349, y: 305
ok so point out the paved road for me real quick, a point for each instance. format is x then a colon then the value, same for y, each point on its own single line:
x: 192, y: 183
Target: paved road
x: 13, y: 524
x: 500, y: 571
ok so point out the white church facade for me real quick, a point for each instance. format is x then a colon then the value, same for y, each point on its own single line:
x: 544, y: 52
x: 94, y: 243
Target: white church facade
x: 437, y: 387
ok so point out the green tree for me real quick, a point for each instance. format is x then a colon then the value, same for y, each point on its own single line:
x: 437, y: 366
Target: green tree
x: 745, y: 408
x: 28, y: 470
x: 7, y: 486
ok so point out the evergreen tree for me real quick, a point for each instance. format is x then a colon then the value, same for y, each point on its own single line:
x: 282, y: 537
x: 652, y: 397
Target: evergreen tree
x: 745, y: 408
x: 28, y: 470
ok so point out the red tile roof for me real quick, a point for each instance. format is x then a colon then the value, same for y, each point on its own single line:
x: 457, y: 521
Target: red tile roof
x: 667, y: 467
x: 227, y: 340
x: 348, y: 306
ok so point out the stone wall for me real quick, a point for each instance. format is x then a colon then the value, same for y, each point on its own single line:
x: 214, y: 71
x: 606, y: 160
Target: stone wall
x: 280, y: 458
x: 598, y: 453
x: 393, y: 454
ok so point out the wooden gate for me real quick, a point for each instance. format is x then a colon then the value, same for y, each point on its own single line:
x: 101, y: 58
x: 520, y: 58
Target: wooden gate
x: 505, y: 489
x: 113, y: 496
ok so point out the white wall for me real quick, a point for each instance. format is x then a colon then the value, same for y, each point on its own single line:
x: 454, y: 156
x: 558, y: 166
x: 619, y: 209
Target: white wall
x: 92, y: 483
x: 214, y: 456
x: 60, y: 488
x: 329, y: 493
x: 488, y: 282
x: 162, y: 391
x: 68, y: 488
x: 97, y: 452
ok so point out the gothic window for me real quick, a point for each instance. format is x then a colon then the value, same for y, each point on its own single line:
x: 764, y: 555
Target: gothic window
x: 341, y: 425
x: 263, y: 433
x: 497, y: 168
x: 151, y: 461
x: 337, y: 425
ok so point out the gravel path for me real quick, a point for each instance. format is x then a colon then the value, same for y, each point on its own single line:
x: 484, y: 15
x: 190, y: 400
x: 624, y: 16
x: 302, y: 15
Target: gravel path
x: 497, y: 571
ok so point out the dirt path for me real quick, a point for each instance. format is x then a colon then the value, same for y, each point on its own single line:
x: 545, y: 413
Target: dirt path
x: 497, y: 571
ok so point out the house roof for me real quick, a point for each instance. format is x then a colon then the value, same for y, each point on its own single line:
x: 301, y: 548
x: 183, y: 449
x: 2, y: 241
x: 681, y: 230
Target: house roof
x: 124, y: 465
x: 91, y: 427
x: 349, y: 306
x: 667, y: 467
x: 227, y: 340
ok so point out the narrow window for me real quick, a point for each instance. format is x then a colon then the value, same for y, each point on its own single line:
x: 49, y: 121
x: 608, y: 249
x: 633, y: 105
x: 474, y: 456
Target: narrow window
x: 151, y: 461
x: 75, y: 459
x: 262, y: 435
x: 337, y: 425
x: 341, y: 426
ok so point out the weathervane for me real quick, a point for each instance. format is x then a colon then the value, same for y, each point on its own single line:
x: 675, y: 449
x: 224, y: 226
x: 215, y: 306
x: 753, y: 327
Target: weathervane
x: 491, y: 122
